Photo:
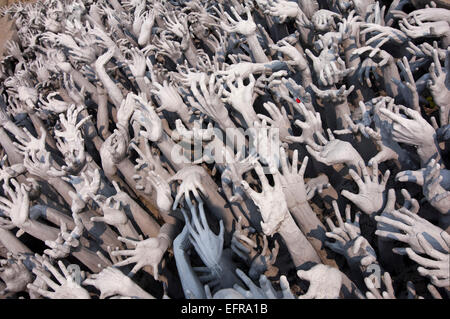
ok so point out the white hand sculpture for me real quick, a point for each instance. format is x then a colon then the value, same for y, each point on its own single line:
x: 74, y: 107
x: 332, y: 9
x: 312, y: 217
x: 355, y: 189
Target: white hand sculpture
x: 292, y: 179
x: 209, y: 101
x: 241, y: 97
x: 265, y: 143
x: 191, y: 180
x: 439, y: 85
x: 244, y: 27
x: 323, y: 20
x: 287, y: 49
x: 437, y: 268
x: 112, y: 214
x: 310, y: 126
x: 111, y: 281
x: 137, y: 63
x: 271, y: 201
x: 66, y: 288
x: 324, y: 282
x: 349, y: 241
x: 371, y: 196
x: 374, y: 292
x: 329, y: 67
x: 63, y: 244
x: 405, y: 226
x: 17, y: 209
x: 430, y: 178
x: 278, y: 119
x: 334, y: 151
x: 53, y: 105
x: 148, y: 252
x: 414, y: 131
x: 384, y: 34
x: 15, y: 275
x: 169, y: 98
x: 282, y: 9
x: 114, y: 150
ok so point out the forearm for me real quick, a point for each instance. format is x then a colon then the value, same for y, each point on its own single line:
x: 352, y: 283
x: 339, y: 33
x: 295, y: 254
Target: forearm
x: 38, y: 124
x: 52, y: 215
x: 102, y: 233
x: 257, y: 50
x: 128, y: 231
x: 82, y: 81
x: 146, y: 223
x: 14, y: 157
x: 39, y: 230
x: 351, y: 60
x: 390, y: 72
x: 300, y: 249
x: 102, y: 114
x: 15, y: 130
x: 12, y: 243
x: 190, y: 52
x: 62, y: 188
x: 188, y: 278
x: 166, y: 146
x: 89, y: 258
x: 429, y: 150
x: 113, y: 90
x: 313, y: 229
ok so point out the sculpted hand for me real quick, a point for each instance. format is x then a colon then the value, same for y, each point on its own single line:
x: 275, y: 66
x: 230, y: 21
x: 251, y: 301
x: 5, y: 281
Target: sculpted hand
x: 15, y: 275
x: 437, y: 268
x: 111, y: 281
x: 348, y: 239
x: 371, y: 196
x: 271, y: 201
x: 324, y: 282
x: 334, y: 152
x: 405, y: 226
x: 244, y: 27
x: 17, y: 208
x: 208, y: 245
x: 191, y: 180
x: 148, y: 252
x: 65, y: 288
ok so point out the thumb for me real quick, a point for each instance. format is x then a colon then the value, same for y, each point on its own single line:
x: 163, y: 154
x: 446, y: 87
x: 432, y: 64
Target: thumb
x: 302, y: 274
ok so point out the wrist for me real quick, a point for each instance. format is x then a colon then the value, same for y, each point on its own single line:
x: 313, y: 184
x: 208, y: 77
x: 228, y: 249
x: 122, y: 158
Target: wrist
x: 164, y: 241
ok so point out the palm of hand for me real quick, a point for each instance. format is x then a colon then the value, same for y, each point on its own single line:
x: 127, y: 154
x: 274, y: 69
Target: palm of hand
x: 16, y: 277
x: 149, y: 252
x: 70, y: 290
x: 113, y: 216
x: 293, y: 188
x: 370, y: 198
x: 337, y: 151
x: 325, y: 282
x: 110, y: 281
x: 440, y: 87
x: 245, y: 27
x: 170, y: 98
x: 274, y: 210
x: 152, y: 124
x: 20, y: 208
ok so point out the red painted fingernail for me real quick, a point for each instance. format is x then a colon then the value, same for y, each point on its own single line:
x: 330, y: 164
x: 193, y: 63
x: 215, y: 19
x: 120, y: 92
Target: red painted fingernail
x: 298, y: 100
